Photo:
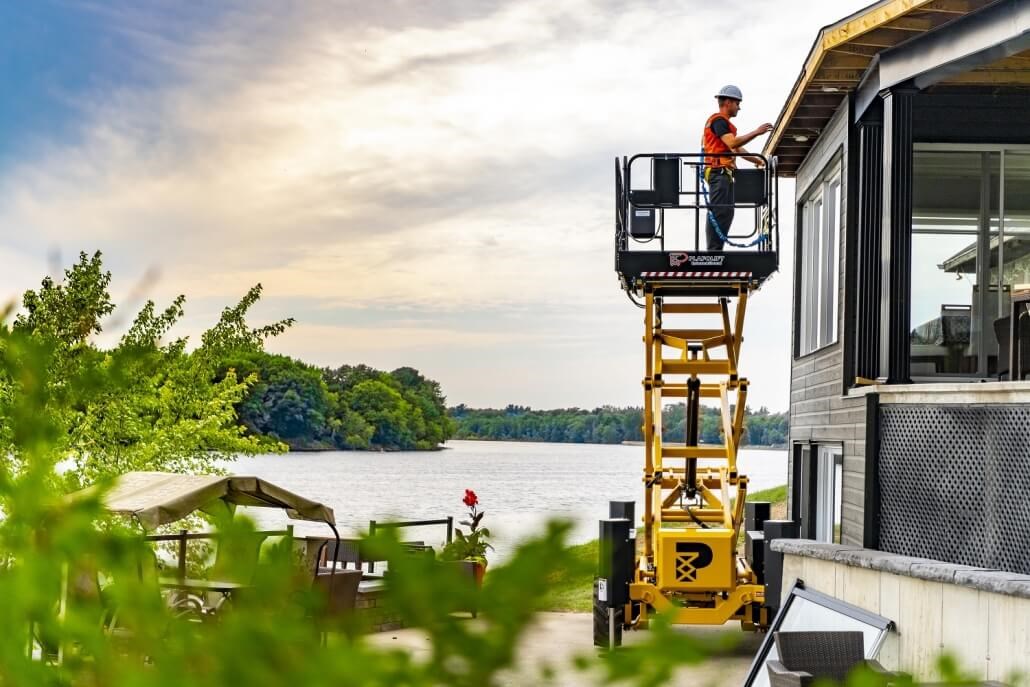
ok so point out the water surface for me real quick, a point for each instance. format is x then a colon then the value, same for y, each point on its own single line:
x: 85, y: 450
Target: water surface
x: 520, y: 485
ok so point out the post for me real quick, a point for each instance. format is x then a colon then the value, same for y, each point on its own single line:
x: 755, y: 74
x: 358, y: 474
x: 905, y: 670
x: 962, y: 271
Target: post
x: 182, y: 554
x: 896, y: 244
x: 450, y: 528
x: 615, y: 563
x: 371, y: 533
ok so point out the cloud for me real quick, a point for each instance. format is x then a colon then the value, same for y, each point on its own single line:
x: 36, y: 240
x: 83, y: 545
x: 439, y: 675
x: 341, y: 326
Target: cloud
x: 436, y: 156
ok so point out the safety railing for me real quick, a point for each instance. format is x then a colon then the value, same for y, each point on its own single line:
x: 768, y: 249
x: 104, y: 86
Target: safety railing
x: 676, y: 182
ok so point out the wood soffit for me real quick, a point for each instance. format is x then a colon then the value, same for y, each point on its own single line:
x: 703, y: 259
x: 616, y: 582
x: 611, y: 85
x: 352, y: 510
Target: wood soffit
x: 844, y: 51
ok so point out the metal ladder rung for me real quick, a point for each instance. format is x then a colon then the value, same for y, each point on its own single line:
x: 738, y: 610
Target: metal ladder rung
x: 694, y: 452
x: 680, y: 391
x: 695, y: 367
x: 694, y: 334
x: 691, y: 308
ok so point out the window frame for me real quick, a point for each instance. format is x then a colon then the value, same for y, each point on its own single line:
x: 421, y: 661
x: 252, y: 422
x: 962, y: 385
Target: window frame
x: 983, y: 236
x: 829, y: 496
x: 818, y: 258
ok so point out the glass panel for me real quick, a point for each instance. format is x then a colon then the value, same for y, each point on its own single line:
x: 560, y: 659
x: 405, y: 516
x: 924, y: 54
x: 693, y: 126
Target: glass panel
x: 806, y: 279
x: 1012, y: 252
x: 810, y: 616
x: 946, y: 216
x: 838, y: 496
x: 829, y: 478
x: 827, y: 310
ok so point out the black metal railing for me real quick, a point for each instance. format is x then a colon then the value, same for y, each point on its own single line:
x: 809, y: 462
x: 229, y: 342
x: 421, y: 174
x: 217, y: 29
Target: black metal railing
x: 674, y: 182
x: 374, y: 525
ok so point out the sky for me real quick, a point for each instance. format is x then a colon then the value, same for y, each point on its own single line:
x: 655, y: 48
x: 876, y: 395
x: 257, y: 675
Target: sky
x: 423, y: 183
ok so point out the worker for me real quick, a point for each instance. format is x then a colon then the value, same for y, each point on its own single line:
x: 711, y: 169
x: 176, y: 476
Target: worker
x: 720, y: 136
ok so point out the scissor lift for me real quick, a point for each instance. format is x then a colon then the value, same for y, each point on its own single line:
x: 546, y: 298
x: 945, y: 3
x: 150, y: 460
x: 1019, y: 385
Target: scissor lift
x: 694, y: 304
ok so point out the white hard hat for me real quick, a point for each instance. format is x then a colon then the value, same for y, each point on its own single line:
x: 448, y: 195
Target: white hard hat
x: 730, y: 92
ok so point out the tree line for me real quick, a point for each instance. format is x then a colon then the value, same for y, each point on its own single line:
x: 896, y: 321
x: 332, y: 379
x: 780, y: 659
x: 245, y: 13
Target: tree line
x: 181, y: 408
x: 607, y: 425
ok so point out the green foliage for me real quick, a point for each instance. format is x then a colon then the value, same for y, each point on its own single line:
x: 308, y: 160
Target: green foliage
x: 146, y: 403
x: 607, y: 425
x: 395, y: 410
x: 289, y: 401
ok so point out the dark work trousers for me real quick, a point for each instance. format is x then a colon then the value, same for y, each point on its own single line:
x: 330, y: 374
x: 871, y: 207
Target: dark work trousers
x: 720, y: 193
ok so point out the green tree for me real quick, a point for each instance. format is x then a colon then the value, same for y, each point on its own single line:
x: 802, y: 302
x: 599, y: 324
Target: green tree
x: 288, y: 400
x: 153, y: 406
x: 385, y: 409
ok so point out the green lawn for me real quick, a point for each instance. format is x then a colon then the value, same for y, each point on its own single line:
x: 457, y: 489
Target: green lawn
x: 571, y: 589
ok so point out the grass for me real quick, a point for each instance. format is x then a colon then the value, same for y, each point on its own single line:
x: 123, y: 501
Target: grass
x: 571, y: 589
x: 774, y: 496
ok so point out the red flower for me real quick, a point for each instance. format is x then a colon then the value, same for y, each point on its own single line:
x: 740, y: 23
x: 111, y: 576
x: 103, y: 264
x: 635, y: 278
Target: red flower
x: 470, y: 499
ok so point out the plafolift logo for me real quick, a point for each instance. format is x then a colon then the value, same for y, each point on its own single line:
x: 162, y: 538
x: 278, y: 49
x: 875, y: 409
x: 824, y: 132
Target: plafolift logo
x: 696, y: 260
x: 691, y: 557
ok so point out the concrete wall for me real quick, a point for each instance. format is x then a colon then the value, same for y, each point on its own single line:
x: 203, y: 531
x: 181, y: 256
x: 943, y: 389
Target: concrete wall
x: 819, y: 410
x: 982, y: 617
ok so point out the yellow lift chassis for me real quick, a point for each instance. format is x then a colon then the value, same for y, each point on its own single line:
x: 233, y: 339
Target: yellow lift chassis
x: 694, y: 495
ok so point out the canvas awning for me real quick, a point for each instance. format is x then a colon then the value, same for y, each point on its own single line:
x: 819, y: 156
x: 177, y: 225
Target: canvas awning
x: 158, y: 498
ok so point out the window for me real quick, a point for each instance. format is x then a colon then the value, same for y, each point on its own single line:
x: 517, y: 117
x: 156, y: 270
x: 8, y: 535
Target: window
x: 828, y: 498
x: 817, y: 480
x: 820, y: 213
x: 971, y: 213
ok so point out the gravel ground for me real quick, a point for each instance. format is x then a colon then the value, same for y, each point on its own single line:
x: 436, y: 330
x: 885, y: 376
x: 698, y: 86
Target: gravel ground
x: 559, y: 637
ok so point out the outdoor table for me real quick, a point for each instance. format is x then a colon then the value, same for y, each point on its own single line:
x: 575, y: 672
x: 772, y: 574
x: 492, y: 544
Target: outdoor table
x: 1020, y: 303
x: 224, y: 588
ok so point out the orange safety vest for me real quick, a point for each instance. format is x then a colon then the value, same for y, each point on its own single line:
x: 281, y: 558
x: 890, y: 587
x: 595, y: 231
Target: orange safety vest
x: 713, y: 145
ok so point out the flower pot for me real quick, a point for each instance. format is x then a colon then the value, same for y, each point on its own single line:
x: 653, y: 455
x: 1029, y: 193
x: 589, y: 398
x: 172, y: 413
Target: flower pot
x: 478, y: 572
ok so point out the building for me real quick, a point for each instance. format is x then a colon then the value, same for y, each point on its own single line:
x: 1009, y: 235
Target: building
x: 908, y: 134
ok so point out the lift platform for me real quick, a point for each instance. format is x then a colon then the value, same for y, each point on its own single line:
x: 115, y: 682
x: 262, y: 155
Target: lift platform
x: 694, y: 303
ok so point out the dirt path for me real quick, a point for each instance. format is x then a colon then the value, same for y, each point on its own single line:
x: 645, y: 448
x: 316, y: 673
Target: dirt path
x: 559, y: 637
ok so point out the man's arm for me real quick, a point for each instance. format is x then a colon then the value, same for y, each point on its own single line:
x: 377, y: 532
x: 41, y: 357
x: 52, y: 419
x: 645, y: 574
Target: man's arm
x: 753, y: 159
x: 734, y: 142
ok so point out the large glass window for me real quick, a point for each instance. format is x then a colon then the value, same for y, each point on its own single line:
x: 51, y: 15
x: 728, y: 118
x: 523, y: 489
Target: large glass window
x: 971, y: 213
x: 820, y: 237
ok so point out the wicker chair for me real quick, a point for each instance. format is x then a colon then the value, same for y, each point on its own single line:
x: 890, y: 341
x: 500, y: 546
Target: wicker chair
x: 805, y: 657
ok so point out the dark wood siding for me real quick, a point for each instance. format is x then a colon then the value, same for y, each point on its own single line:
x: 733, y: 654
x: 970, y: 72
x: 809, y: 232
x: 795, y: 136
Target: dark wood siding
x: 819, y: 410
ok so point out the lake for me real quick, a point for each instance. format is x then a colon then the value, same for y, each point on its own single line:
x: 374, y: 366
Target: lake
x: 520, y: 485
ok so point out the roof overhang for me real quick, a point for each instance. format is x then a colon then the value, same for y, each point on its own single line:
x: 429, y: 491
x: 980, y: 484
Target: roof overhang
x: 840, y: 58
x: 974, y: 51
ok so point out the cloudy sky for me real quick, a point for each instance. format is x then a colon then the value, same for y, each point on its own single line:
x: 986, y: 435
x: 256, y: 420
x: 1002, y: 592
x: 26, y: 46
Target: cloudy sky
x: 423, y: 183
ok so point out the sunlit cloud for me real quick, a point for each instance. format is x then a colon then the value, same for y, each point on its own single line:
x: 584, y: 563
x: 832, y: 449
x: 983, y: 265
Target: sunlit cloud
x: 363, y: 156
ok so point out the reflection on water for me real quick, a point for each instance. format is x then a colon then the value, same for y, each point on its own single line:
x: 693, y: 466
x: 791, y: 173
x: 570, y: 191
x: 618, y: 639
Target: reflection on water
x: 520, y: 485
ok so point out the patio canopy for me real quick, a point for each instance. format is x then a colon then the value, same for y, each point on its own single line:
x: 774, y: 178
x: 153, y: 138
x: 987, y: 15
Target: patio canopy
x: 158, y: 498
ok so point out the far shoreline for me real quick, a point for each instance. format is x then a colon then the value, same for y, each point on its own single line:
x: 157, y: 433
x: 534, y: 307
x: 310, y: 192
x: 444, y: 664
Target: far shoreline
x: 444, y: 447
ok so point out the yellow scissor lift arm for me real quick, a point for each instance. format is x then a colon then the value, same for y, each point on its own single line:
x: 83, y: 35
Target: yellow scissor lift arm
x: 694, y: 495
x: 694, y: 305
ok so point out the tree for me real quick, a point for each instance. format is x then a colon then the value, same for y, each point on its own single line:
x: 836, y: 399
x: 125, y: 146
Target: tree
x: 152, y: 405
x: 288, y: 401
x: 385, y: 409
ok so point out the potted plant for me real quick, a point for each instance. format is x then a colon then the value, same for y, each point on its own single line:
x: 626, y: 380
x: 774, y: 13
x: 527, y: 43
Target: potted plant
x: 472, y: 546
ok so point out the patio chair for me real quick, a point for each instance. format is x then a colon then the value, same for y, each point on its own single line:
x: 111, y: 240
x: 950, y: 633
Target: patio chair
x: 805, y: 657
x: 339, y: 591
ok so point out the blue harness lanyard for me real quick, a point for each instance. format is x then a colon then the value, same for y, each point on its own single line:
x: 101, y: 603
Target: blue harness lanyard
x: 761, y: 238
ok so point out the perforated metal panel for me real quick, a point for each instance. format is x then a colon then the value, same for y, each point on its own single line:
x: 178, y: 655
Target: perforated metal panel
x: 955, y: 483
